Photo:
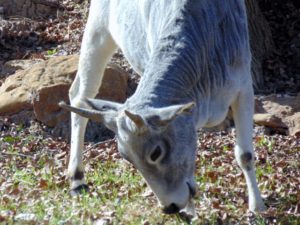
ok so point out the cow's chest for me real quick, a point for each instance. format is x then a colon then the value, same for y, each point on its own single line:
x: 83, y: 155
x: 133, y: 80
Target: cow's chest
x: 213, y: 110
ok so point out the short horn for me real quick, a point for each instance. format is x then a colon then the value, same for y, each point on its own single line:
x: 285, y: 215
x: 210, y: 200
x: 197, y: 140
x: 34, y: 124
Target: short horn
x: 138, y: 121
x: 87, y: 113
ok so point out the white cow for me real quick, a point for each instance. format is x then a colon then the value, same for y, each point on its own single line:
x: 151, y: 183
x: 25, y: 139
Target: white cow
x: 194, y: 59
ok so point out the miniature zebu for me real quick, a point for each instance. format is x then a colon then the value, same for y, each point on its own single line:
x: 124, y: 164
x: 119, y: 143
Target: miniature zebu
x: 194, y: 59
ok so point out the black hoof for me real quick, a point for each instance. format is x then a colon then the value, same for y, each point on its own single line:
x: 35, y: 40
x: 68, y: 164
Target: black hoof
x: 83, y: 188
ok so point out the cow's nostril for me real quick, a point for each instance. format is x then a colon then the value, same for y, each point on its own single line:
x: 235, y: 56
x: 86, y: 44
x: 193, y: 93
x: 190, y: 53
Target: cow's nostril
x: 171, y: 209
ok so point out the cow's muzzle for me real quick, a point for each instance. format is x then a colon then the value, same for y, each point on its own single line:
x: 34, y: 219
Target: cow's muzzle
x: 173, y: 208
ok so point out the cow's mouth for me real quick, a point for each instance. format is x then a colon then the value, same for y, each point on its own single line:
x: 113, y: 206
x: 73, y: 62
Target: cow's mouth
x: 173, y: 208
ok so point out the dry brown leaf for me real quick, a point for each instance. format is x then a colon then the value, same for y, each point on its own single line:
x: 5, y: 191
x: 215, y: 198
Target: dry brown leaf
x: 212, y: 175
x: 43, y: 184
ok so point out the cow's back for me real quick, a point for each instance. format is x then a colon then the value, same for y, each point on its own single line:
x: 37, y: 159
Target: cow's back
x: 138, y: 26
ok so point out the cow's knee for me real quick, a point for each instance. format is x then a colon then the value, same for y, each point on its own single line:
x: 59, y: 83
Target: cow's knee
x: 245, y: 159
x: 78, y: 175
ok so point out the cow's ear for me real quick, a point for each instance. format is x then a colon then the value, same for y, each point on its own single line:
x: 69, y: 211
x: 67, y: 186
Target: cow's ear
x: 102, y: 111
x: 161, y: 117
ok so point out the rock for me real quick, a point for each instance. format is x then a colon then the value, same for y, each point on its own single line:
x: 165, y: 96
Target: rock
x: 114, y: 84
x: 13, y: 65
x: 43, y: 85
x: 279, y: 113
x: 293, y: 123
x: 30, y: 8
x: 269, y: 120
x: 45, y: 104
x: 19, y: 90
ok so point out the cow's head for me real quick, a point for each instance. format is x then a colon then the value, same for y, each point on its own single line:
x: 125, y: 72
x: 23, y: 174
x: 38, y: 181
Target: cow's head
x: 159, y: 142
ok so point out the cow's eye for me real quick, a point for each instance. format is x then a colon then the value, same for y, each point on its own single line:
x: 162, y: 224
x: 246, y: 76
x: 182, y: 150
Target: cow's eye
x: 155, y: 154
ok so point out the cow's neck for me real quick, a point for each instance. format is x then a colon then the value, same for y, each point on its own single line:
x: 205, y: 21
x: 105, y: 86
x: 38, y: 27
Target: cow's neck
x: 170, y: 79
x: 175, y: 66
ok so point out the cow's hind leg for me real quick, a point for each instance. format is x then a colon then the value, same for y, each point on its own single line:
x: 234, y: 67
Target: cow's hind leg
x: 97, y: 48
x: 243, y: 116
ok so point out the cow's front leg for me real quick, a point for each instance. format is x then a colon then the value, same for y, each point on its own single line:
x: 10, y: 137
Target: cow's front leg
x: 244, y: 154
x: 75, y: 167
x: 97, y: 48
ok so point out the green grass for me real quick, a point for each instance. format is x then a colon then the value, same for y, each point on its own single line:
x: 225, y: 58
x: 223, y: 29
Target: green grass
x: 51, y: 52
x: 33, y: 183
